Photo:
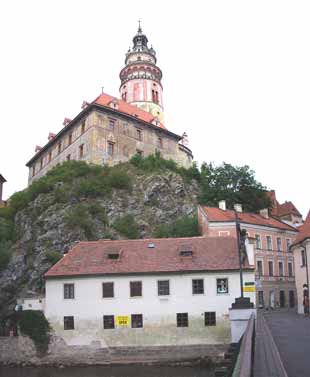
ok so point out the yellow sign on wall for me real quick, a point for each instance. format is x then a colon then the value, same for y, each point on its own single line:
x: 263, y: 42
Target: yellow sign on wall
x: 249, y: 287
x: 122, y: 320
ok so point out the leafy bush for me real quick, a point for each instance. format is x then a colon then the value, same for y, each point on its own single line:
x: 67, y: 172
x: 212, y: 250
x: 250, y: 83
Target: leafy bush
x: 186, y: 226
x: 155, y: 162
x: 34, y: 324
x: 5, y: 254
x: 119, y: 179
x: 53, y: 256
x: 79, y: 218
x: 127, y: 226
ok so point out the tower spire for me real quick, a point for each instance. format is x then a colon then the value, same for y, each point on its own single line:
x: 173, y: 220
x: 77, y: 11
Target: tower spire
x: 139, y: 28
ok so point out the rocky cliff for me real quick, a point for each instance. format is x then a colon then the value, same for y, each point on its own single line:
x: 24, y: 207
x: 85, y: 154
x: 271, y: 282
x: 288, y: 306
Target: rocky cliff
x: 54, y: 219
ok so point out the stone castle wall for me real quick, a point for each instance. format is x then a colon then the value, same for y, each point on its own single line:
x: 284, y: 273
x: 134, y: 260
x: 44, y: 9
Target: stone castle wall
x: 21, y: 351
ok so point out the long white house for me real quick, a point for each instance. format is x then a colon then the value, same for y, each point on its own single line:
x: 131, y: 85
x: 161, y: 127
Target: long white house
x: 146, y: 292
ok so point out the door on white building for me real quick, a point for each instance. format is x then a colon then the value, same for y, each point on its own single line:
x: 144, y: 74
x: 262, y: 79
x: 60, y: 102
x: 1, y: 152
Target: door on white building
x: 271, y: 299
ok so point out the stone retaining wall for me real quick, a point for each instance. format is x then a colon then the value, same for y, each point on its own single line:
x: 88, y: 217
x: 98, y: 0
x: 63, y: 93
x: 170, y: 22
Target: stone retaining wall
x: 21, y: 350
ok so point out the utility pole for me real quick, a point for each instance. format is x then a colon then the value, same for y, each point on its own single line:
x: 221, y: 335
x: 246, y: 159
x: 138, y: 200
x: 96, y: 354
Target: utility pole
x: 238, y: 231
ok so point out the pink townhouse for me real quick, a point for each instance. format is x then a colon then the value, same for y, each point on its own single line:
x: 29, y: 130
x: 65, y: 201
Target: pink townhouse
x: 272, y: 238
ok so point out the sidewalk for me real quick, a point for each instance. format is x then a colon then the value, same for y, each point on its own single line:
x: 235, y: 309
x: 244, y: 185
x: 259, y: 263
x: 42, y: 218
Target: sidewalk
x: 291, y: 333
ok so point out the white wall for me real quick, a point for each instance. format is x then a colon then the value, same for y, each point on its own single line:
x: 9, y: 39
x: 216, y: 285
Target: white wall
x: 159, y: 313
x: 301, y: 274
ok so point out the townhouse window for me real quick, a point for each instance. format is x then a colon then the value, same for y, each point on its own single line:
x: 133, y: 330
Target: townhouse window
x: 41, y: 163
x: 33, y: 170
x: 261, y: 303
x: 210, y: 319
x: 68, y: 158
x: 281, y: 269
x: 270, y: 268
x: 110, y: 148
x: 69, y: 323
x: 124, y: 96
x: 197, y: 286
x: 70, y: 139
x: 260, y: 268
x: 139, y: 134
x: 290, y: 269
x: 107, y: 289
x: 68, y: 291
x: 83, y: 126
x: 303, y: 257
x: 108, y: 322
x: 182, y: 319
x: 163, y: 288
x: 49, y: 156
x: 221, y: 286
x: 111, y: 124
x: 136, y: 321
x: 81, y: 150
x: 288, y: 244
x: 258, y: 244
x: 59, y: 148
x: 269, y: 243
x: 135, y: 288
x: 279, y: 244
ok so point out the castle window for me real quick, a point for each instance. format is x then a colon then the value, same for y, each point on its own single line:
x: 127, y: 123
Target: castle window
x: 125, y: 151
x: 70, y: 139
x: 111, y: 124
x: 49, y: 156
x: 125, y: 128
x: 160, y: 142
x: 83, y: 127
x: 68, y: 158
x: 139, y: 134
x: 41, y: 163
x: 81, y: 151
x: 139, y: 152
x: 59, y: 148
x: 110, y: 148
x: 33, y: 170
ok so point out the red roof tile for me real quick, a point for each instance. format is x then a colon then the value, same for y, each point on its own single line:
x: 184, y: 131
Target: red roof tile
x: 278, y: 209
x: 91, y: 258
x: 124, y: 107
x: 218, y: 215
x: 304, y: 231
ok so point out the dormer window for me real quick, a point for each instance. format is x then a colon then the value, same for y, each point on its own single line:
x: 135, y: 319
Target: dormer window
x: 113, y: 255
x: 186, y: 251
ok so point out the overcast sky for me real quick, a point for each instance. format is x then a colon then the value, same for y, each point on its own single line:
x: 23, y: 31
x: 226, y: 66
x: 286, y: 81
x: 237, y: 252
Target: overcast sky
x: 236, y: 78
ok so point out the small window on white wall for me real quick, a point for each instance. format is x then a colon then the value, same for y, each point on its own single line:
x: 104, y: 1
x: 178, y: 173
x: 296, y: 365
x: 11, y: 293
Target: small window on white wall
x: 221, y: 285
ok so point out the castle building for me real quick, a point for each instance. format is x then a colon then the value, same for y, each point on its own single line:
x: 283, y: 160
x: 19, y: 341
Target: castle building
x: 271, y: 239
x: 109, y: 130
x: 2, y: 180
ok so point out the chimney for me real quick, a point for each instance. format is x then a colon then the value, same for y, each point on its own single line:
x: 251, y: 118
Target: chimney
x: 38, y: 148
x: 264, y: 213
x: 66, y: 121
x: 238, y: 207
x: 222, y: 205
x: 51, y: 136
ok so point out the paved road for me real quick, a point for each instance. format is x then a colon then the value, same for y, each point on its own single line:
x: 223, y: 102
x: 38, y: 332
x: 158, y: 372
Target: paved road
x: 291, y: 333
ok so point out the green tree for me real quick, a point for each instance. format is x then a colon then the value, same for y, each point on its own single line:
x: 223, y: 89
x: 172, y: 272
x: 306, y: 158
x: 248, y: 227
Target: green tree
x: 235, y: 184
x: 186, y: 226
x: 127, y: 226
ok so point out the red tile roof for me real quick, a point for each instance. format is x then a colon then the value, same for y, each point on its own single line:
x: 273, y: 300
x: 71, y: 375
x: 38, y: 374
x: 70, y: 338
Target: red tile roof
x: 279, y: 210
x: 124, y: 107
x: 91, y: 258
x: 215, y: 214
x: 304, y: 231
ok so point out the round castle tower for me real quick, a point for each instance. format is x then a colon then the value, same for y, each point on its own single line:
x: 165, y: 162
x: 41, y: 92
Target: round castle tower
x: 141, y: 78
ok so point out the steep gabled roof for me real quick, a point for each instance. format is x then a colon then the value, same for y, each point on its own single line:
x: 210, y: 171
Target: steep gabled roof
x: 283, y: 209
x: 149, y: 256
x: 215, y: 214
x: 124, y: 107
x: 2, y: 179
x: 304, y: 231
